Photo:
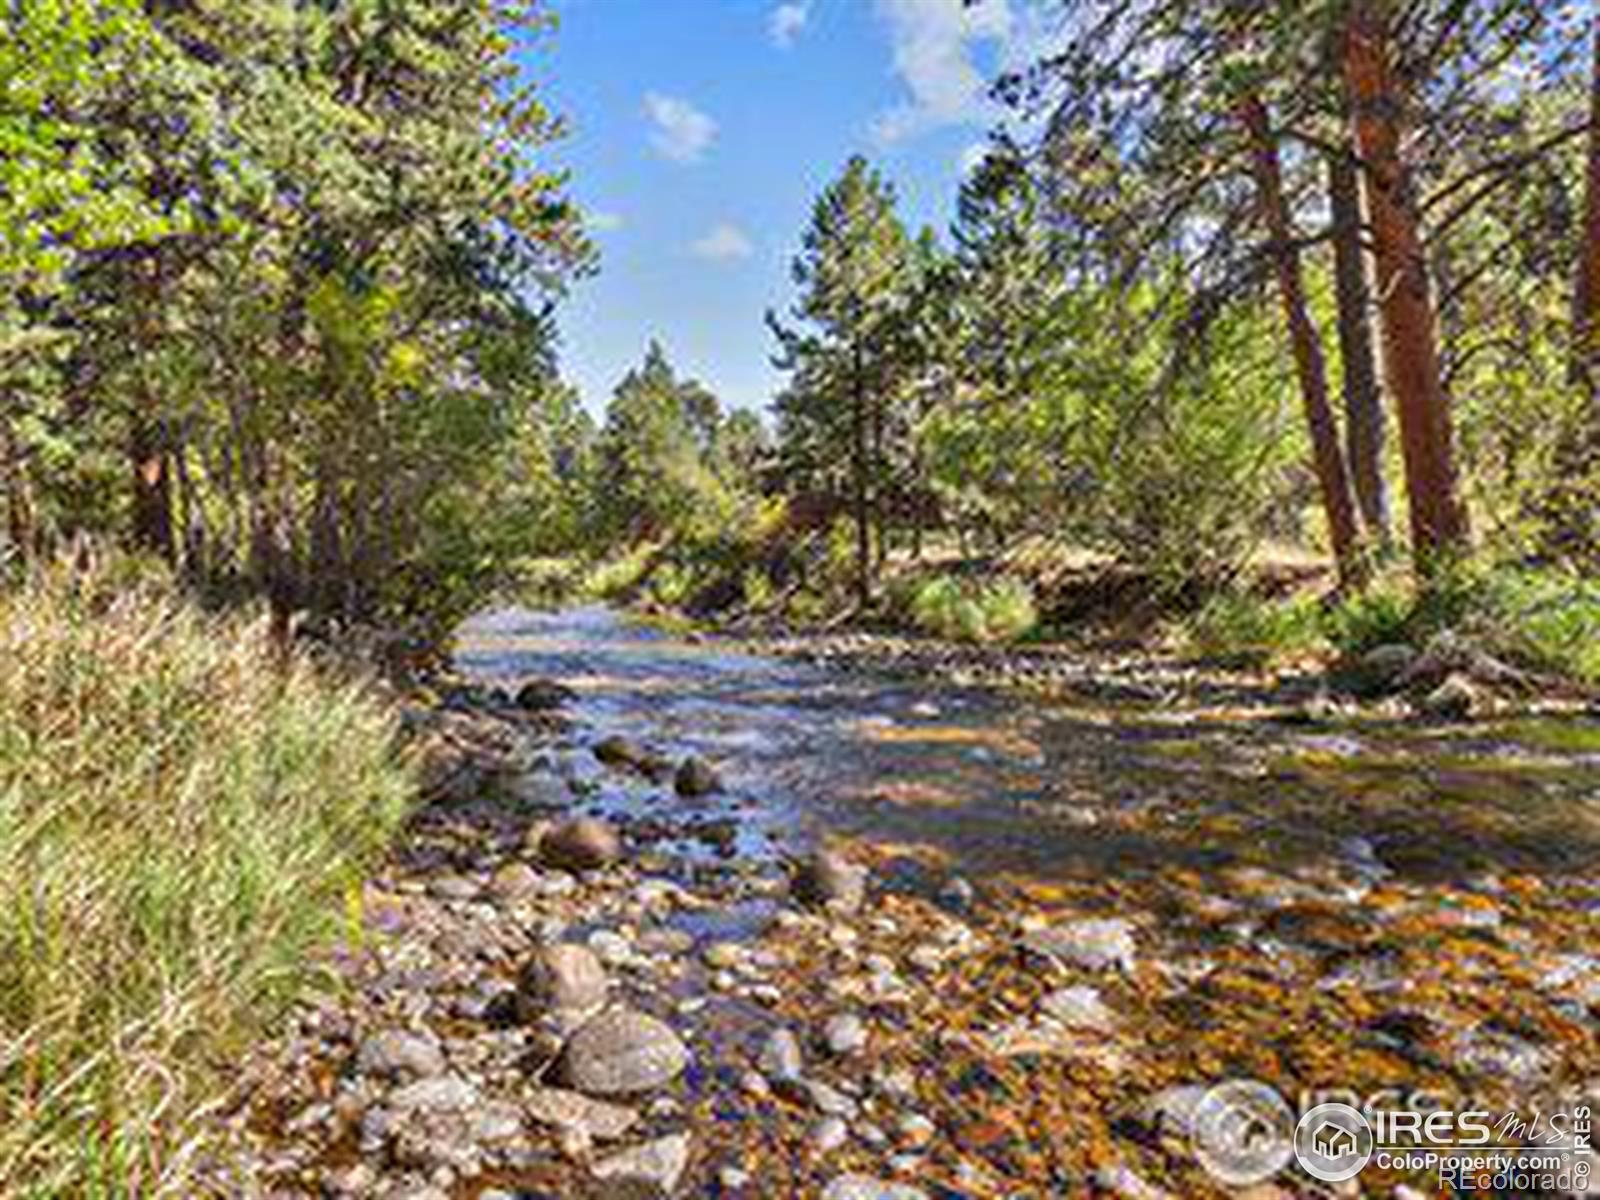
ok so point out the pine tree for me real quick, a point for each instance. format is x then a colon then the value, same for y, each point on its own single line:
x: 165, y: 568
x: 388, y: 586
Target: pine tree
x: 846, y: 354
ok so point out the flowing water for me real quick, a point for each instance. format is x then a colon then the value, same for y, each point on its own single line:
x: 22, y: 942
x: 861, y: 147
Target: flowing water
x: 989, y: 783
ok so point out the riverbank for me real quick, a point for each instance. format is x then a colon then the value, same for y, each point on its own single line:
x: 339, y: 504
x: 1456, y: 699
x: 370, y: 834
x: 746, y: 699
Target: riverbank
x: 1481, y: 640
x: 989, y: 986
x: 183, y: 808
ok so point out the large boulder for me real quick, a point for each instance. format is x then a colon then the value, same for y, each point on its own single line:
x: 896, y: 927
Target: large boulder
x: 622, y: 1052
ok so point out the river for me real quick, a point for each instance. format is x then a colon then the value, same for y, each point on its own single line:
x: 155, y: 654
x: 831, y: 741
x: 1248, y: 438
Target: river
x: 995, y: 784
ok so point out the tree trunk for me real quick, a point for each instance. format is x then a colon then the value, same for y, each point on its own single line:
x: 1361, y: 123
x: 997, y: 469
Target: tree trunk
x: 860, y: 469
x: 1405, y: 301
x: 21, y: 533
x: 1310, y: 366
x: 1363, y: 398
x: 152, y: 490
x: 1586, y: 293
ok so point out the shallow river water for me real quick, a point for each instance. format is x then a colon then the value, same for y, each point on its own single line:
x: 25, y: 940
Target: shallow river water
x: 994, y: 783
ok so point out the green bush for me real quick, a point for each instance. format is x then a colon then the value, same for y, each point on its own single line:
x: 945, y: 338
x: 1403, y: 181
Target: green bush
x: 1546, y: 619
x: 1549, y: 619
x: 619, y: 577
x: 1255, y: 628
x: 183, y: 815
x: 1000, y: 610
x: 1382, y: 614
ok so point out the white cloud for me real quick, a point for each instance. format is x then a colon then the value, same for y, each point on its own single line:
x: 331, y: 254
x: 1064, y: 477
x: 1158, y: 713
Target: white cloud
x: 681, y: 131
x: 933, y: 44
x: 725, y: 242
x: 972, y: 157
x: 787, y: 21
x: 602, y: 222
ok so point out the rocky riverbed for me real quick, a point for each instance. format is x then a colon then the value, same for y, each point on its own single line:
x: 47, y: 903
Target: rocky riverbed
x: 631, y: 948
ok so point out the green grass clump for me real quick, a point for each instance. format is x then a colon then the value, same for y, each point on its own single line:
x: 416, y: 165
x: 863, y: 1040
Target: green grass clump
x: 1549, y: 619
x: 998, y: 610
x: 182, y: 817
x: 1237, y: 625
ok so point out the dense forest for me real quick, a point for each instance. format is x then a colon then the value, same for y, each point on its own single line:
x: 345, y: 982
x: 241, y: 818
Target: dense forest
x: 1237, y: 279
x: 1279, y: 324
x: 281, y: 285
x: 277, y: 287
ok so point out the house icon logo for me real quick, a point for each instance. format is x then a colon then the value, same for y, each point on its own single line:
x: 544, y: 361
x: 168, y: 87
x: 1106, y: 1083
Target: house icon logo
x: 1333, y: 1142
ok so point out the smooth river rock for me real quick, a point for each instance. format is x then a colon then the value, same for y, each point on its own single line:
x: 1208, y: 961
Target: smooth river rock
x: 1094, y: 944
x: 562, y: 978
x: 660, y: 1163
x: 622, y: 1052
x: 826, y: 879
x: 864, y: 1187
x: 696, y: 777
x: 581, y: 844
x: 593, y: 1118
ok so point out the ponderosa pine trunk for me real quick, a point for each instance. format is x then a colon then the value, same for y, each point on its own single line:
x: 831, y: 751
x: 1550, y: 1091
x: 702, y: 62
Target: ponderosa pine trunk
x: 1586, y: 292
x: 1363, y: 398
x: 1306, y: 343
x: 1411, y: 358
x: 860, y: 471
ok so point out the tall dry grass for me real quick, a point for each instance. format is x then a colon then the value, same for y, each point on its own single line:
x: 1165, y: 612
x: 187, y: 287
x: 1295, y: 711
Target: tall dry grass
x: 180, y: 819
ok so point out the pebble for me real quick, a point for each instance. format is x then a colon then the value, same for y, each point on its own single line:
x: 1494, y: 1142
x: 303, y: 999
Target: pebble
x: 828, y: 1134
x: 612, y: 947
x: 830, y: 880
x: 844, y: 1034
x: 397, y: 1054
x: 573, y: 1110
x: 915, y: 1130
x: 696, y: 777
x: 724, y: 955
x: 1094, y: 944
x: 828, y: 1099
x: 658, y: 1164
x: 1079, y: 1008
x: 864, y: 1187
x: 444, y: 1093
x: 780, y: 1056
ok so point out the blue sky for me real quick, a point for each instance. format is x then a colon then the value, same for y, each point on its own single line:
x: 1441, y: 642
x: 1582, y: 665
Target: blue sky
x: 701, y: 130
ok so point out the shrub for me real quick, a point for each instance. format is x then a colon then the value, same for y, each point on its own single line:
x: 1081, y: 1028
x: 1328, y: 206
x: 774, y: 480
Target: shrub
x: 181, y: 815
x: 1000, y: 610
x: 1254, y: 628
x: 1550, y: 619
x: 618, y: 578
